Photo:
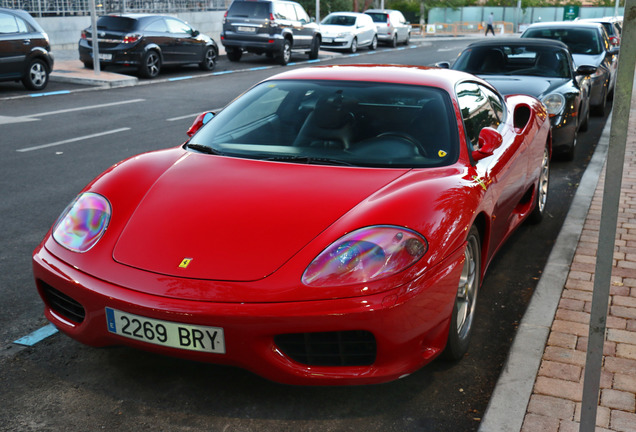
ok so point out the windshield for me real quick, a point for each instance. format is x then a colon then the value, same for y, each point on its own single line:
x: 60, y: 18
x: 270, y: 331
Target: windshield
x: 530, y: 60
x: 578, y: 40
x: 341, y: 20
x: 336, y: 122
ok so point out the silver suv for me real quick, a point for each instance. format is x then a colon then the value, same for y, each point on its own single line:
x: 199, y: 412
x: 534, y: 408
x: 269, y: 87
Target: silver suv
x: 271, y: 27
x: 392, y: 27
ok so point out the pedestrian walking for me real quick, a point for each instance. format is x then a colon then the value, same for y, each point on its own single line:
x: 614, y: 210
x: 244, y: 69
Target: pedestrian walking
x: 490, y: 27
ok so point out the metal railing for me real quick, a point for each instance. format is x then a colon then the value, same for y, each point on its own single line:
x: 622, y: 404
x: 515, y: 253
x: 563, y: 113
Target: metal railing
x: 47, y: 8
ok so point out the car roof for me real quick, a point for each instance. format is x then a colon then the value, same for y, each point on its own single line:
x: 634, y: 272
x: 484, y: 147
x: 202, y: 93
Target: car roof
x: 520, y: 41
x: 381, y: 10
x: 382, y: 73
x: 24, y: 15
x: 346, y: 13
x: 566, y: 24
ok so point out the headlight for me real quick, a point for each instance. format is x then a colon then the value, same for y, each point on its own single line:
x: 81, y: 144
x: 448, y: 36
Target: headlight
x: 365, y: 255
x: 83, y: 222
x: 554, y: 103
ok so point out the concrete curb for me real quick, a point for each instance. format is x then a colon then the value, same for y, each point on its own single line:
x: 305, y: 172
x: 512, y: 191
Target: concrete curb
x: 507, y: 407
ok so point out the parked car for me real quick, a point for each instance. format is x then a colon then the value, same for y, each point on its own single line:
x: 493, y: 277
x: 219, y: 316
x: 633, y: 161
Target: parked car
x: 271, y: 27
x: 540, y: 68
x: 148, y: 42
x: 612, y: 26
x: 349, y: 31
x: 391, y: 25
x: 25, y: 52
x: 382, y: 195
x: 589, y: 45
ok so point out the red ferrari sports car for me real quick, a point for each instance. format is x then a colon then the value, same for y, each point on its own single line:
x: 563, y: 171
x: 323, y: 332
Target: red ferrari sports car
x: 331, y: 225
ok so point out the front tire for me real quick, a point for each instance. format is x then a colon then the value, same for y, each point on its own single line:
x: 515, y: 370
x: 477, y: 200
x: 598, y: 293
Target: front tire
x: 465, y: 300
x: 315, y: 48
x: 599, y: 110
x: 150, y: 64
x: 37, y: 76
x: 541, y: 197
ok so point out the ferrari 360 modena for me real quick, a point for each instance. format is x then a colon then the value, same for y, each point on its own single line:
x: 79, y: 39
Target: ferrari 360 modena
x: 331, y: 225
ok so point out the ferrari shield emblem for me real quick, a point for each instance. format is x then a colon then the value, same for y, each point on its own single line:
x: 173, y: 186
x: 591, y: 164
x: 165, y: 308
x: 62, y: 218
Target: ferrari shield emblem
x: 185, y: 263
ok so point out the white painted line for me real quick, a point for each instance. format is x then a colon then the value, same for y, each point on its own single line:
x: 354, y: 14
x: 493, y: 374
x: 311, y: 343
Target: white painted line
x: 182, y: 117
x: 71, y: 140
x: 86, y: 108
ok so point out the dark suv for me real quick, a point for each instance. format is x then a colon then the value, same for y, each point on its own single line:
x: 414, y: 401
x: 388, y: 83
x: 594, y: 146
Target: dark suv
x: 147, y: 42
x: 275, y: 28
x: 25, y: 52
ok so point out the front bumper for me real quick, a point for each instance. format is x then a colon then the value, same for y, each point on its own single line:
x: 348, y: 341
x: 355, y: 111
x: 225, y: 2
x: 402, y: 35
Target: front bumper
x: 409, y: 324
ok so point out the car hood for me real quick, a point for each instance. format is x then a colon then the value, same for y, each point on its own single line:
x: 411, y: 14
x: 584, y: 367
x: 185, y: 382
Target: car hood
x: 587, y: 59
x: 533, y: 86
x: 235, y: 219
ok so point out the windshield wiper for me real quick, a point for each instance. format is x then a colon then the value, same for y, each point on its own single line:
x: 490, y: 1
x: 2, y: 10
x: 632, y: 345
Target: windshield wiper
x: 202, y: 148
x: 309, y: 160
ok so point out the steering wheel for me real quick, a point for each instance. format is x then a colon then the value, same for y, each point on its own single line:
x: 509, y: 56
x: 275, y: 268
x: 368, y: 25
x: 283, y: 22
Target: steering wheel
x: 406, y: 137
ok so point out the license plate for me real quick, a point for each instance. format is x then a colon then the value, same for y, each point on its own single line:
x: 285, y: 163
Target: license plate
x: 247, y: 29
x: 166, y: 333
x: 105, y: 56
x: 327, y: 40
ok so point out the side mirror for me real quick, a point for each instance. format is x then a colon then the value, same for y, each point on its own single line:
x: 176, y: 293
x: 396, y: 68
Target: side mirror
x: 443, y: 65
x: 195, y: 33
x: 489, y: 141
x: 201, y: 120
x: 586, y: 70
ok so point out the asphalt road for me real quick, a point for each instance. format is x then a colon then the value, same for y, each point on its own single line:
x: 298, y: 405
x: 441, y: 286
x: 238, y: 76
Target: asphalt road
x: 50, y: 147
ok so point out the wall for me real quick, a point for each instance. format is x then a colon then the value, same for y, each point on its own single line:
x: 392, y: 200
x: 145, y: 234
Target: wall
x: 64, y: 32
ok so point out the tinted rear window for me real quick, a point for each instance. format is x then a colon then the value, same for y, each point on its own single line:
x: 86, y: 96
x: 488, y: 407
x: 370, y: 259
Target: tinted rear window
x: 578, y: 40
x: 378, y: 17
x: 248, y: 9
x: 116, y: 23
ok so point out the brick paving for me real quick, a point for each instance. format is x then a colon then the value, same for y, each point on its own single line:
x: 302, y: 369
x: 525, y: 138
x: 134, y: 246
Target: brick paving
x: 555, y: 403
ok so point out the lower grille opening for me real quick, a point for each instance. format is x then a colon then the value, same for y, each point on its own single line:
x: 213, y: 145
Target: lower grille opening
x: 344, y: 348
x: 62, y: 304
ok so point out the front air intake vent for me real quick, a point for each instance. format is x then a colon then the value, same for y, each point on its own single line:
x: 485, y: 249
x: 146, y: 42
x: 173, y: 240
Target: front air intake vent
x: 344, y: 348
x: 62, y: 304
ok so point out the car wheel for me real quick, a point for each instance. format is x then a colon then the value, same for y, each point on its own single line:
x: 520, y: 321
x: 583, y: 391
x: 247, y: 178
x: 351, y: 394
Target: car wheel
x: 374, y: 43
x: 408, y: 39
x: 234, y: 55
x: 88, y: 64
x: 315, y: 48
x: 354, y: 45
x: 150, y: 64
x: 541, y: 197
x: 568, y: 155
x: 599, y: 110
x: 465, y: 299
x: 285, y: 53
x: 393, y: 43
x: 586, y: 121
x: 209, y: 59
x: 37, y: 76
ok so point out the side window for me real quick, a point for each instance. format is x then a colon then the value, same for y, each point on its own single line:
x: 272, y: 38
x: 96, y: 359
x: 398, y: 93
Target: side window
x: 176, y: 26
x: 9, y: 24
x: 158, y: 26
x: 476, y: 105
x: 284, y: 11
x: 302, y: 15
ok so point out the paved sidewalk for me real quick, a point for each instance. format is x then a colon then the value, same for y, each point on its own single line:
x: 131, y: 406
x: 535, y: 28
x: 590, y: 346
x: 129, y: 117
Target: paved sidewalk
x: 541, y: 385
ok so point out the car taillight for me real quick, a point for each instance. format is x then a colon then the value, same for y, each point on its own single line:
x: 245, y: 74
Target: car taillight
x: 388, y: 21
x: 271, y: 16
x: 224, y: 17
x: 130, y: 38
x: 83, y: 34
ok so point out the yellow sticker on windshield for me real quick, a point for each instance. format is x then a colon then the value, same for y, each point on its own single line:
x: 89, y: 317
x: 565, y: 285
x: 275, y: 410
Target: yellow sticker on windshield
x: 441, y: 153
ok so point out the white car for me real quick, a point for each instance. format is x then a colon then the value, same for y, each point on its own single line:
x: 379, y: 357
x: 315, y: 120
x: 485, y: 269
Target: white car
x: 392, y: 27
x: 348, y: 31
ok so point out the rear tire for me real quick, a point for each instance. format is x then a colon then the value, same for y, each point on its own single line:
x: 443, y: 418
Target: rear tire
x: 374, y: 43
x: 150, y: 64
x: 234, y: 54
x: 285, y: 53
x: 209, y: 59
x: 541, y: 197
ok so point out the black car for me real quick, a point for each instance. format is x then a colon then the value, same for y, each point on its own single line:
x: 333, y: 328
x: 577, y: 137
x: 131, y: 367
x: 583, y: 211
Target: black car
x: 25, y: 52
x: 147, y: 42
x: 540, y: 68
x: 590, y: 45
x: 271, y: 27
